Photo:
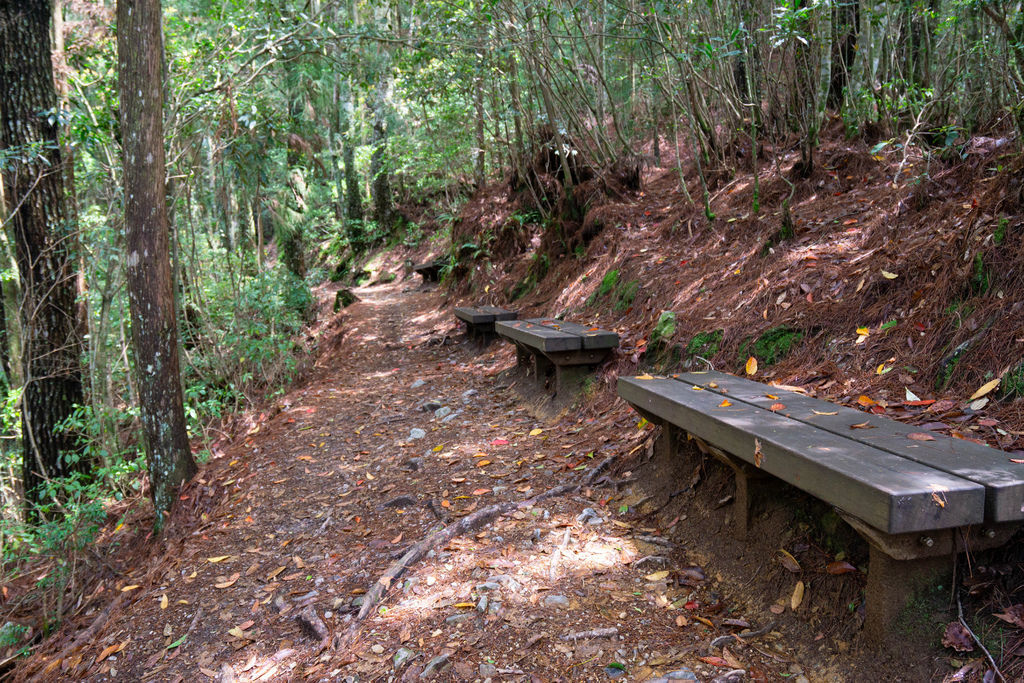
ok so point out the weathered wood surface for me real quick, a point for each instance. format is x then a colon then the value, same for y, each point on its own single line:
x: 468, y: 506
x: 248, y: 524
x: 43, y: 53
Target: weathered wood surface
x: 891, y: 493
x: 539, y: 337
x: 431, y: 270
x: 481, y: 315
x: 593, y: 337
x: 1003, y: 480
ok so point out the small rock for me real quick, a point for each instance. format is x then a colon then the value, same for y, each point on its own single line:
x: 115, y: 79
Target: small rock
x: 416, y: 433
x: 413, y: 464
x: 442, y: 412
x: 279, y: 603
x: 456, y: 618
x: 494, y: 607
x: 402, y: 655
x: 358, y: 601
x: 734, y: 676
x: 311, y: 624
x: 481, y: 605
x: 614, y: 672
x: 377, y: 649
x: 559, y: 601
x: 226, y: 674
x: 417, y: 384
x: 339, y: 603
x: 468, y: 394
x: 488, y: 587
x: 589, y: 516
x: 506, y: 581
x: 451, y: 417
x: 434, y: 666
x: 430, y: 406
x: 681, y: 675
x: 486, y: 670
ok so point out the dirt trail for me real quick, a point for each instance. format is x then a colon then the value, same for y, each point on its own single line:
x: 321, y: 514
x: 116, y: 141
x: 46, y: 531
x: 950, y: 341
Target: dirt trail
x: 306, y: 510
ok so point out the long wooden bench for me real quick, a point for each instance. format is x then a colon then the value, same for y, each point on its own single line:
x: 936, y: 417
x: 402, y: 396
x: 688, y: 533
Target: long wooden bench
x: 480, y: 321
x: 917, y: 498
x: 558, y: 355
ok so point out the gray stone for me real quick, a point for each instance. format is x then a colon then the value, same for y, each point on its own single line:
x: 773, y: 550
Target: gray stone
x: 681, y: 675
x: 358, y: 601
x: 452, y: 416
x: 417, y: 384
x: 488, y: 587
x: 506, y: 582
x: 430, y: 406
x: 589, y: 516
x: 442, y: 412
x: 614, y: 672
x: 458, y: 618
x: 413, y: 464
x: 481, y: 605
x: 402, y: 656
x: 487, y: 670
x: 468, y: 394
x: 559, y: 601
x: 434, y: 666
x: 416, y: 433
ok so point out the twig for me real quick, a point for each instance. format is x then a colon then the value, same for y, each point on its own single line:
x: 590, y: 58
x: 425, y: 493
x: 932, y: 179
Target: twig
x: 443, y: 536
x: 596, y: 633
x: 991, y: 661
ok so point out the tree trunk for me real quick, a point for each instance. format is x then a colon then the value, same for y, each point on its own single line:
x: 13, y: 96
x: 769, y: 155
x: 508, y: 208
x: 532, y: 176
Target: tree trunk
x: 353, y: 198
x: 150, y: 285
x: 45, y: 244
x: 380, y: 174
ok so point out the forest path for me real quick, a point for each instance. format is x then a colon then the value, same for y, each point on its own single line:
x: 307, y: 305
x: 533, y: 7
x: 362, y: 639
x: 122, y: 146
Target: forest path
x: 402, y: 428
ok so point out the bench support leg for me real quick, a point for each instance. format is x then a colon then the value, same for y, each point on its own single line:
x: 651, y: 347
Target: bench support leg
x: 891, y: 585
x: 543, y: 370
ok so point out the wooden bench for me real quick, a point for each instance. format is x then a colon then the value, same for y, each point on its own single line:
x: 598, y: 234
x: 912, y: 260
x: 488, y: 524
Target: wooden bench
x: 557, y: 354
x: 480, y: 321
x: 918, y: 499
x: 430, y: 271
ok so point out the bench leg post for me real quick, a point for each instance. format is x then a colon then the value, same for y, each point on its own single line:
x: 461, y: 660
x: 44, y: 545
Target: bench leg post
x: 891, y: 585
x: 524, y: 360
x: 544, y: 368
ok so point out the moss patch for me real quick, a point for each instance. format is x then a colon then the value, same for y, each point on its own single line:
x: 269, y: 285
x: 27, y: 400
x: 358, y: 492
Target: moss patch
x: 772, y: 346
x: 705, y: 344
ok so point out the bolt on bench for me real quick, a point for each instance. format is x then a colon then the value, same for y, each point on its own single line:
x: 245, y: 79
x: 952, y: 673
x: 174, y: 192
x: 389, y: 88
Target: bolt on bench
x: 549, y: 349
x: 917, y: 499
x: 480, y: 321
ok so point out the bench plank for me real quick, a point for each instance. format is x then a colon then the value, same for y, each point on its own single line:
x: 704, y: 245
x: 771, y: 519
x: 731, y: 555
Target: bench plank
x: 480, y: 315
x: 593, y: 338
x: 891, y: 493
x: 539, y: 337
x: 1003, y: 481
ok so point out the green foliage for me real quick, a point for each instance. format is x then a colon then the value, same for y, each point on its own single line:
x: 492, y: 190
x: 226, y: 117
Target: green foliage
x: 663, y: 329
x: 1012, y: 385
x: 625, y: 294
x: 704, y: 344
x: 981, y: 277
x: 538, y: 269
x: 608, y: 283
x: 999, y: 234
x: 772, y: 346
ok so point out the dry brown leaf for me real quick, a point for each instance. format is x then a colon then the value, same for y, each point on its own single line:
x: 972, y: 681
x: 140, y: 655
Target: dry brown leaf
x: 920, y: 436
x: 230, y: 582
x: 985, y: 388
x: 788, y: 561
x: 798, y: 596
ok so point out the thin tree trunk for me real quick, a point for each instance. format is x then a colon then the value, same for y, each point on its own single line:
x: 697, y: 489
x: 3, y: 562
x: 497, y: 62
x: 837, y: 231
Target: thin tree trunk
x: 150, y: 285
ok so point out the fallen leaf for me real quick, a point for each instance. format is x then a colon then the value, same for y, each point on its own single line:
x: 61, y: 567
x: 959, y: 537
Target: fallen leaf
x: 889, y: 276
x: 866, y: 400
x: 215, y: 560
x: 758, y: 455
x: 939, y: 498
x: 644, y: 377
x: 1013, y: 615
x: 788, y: 561
x: 657, y: 576
x: 957, y: 637
x: 397, y: 539
x: 714, y: 661
x: 839, y: 567
x: 499, y: 442
x: 464, y: 605
x: 751, y: 366
x: 536, y: 432
x: 238, y: 633
x: 725, y: 403
x: 776, y: 407
x: 163, y: 601
x: 920, y: 436
x: 985, y: 388
x: 230, y: 582
x: 797, y: 597
x: 129, y: 588
x: 482, y: 463
x: 862, y: 425
x: 112, y: 649
x: 819, y: 412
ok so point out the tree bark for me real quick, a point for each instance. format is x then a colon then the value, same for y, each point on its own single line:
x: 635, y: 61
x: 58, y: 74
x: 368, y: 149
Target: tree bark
x: 45, y: 243
x: 150, y: 285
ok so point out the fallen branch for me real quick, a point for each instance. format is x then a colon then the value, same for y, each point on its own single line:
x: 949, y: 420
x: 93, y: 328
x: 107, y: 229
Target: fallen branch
x: 988, y: 655
x: 89, y: 633
x: 440, y: 538
x: 596, y: 633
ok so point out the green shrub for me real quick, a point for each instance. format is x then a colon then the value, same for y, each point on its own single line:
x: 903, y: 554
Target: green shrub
x: 704, y: 344
x: 625, y: 295
x: 772, y: 346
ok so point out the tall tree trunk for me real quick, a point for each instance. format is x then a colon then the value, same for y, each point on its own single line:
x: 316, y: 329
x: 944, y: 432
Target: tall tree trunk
x: 380, y: 174
x: 150, y: 285
x: 45, y: 244
x: 353, y: 198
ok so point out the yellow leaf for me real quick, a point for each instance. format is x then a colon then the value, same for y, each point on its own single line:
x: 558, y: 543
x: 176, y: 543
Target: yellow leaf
x: 657, y: 576
x: 644, y: 377
x: 985, y: 388
x: 863, y: 331
x: 163, y: 601
x: 818, y: 412
x: 536, y: 432
x: 798, y: 596
x: 772, y: 397
x: 889, y: 276
x: 725, y: 403
x: 751, y: 366
x: 220, y: 558
x: 438, y: 447
x: 696, y: 388
x: 272, y: 575
x: 642, y: 423
x: 111, y: 649
x: 129, y: 588
x: 464, y: 605
x: 482, y: 463
x: 880, y: 369
x: 237, y: 632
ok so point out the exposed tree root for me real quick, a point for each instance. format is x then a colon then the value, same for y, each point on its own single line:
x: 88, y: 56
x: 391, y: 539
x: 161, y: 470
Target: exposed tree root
x: 439, y: 538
